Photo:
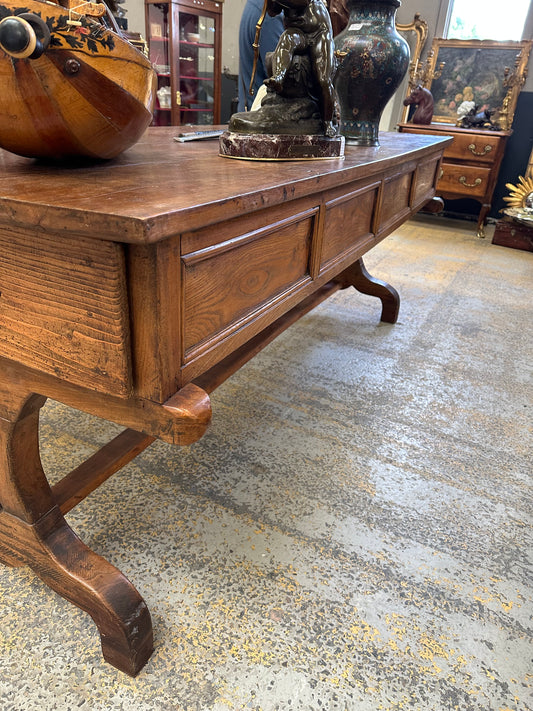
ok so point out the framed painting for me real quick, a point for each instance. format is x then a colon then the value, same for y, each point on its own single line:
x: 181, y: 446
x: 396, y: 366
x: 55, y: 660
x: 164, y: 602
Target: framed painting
x: 490, y: 74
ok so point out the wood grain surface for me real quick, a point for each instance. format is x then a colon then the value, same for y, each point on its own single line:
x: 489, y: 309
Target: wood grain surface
x: 160, y: 187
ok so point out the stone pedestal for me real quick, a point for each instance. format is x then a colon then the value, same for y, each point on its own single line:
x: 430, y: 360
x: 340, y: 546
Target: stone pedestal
x: 257, y: 146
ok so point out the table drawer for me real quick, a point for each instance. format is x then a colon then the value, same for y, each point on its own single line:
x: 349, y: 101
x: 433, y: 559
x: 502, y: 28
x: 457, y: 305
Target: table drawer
x: 481, y: 149
x: 464, y: 180
x: 228, y: 286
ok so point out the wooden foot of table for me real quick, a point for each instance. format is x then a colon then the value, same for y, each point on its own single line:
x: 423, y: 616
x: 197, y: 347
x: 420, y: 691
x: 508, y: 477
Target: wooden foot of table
x: 34, y: 532
x: 435, y: 205
x: 358, y: 277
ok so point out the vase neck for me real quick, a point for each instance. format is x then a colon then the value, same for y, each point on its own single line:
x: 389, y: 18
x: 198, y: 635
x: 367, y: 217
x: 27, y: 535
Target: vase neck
x: 372, y: 10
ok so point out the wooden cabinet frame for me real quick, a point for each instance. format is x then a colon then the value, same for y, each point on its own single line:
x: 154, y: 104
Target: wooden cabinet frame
x: 169, y: 45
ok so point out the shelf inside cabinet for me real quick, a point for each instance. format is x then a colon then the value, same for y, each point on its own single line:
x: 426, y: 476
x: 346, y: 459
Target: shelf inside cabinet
x: 197, y: 44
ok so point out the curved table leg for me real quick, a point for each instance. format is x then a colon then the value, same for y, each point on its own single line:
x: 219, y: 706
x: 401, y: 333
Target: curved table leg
x: 357, y: 276
x: 34, y: 532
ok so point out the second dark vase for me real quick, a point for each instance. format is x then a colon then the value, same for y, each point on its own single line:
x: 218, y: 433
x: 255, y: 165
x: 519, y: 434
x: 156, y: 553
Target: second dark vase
x: 373, y: 59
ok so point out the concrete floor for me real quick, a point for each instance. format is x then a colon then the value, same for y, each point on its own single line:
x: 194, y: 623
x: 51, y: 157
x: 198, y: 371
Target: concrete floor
x: 353, y: 532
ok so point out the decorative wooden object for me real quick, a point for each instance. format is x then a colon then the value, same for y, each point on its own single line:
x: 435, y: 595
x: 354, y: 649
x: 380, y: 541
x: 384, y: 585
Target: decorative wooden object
x: 134, y: 308
x: 515, y: 229
x: 423, y: 100
x: 471, y: 163
x: 513, y: 234
x: 71, y: 87
x: 185, y: 47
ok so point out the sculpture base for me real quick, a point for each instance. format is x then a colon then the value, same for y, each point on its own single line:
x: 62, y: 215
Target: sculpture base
x: 260, y: 146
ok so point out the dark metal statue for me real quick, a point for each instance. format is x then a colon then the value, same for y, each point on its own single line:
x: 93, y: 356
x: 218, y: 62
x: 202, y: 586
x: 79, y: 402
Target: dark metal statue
x: 481, y: 119
x: 300, y: 98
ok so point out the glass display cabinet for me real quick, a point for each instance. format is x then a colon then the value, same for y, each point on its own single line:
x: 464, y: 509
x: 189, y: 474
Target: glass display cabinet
x: 184, y: 46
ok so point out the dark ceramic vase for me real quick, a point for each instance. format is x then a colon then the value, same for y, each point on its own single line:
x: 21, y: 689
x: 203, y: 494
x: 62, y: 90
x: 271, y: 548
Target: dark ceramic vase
x: 373, y: 59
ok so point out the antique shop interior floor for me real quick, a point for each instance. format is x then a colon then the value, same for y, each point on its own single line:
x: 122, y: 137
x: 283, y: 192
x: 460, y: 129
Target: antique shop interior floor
x: 353, y: 531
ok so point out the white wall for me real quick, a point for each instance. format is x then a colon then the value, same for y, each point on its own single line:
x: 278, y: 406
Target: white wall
x: 135, y: 16
x: 434, y: 13
x: 231, y: 17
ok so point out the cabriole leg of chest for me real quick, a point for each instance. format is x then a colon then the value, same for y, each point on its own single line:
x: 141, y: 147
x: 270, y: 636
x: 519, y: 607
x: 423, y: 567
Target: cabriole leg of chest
x: 34, y: 532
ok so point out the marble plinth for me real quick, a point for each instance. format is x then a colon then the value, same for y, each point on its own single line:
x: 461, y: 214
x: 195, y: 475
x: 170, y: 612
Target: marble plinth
x: 279, y: 147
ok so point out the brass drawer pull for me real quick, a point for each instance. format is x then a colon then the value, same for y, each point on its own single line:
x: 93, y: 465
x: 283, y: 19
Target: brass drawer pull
x: 472, y: 149
x: 476, y: 182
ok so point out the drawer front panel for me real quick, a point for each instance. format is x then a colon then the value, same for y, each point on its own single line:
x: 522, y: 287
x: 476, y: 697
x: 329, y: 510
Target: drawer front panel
x: 348, y: 224
x: 465, y: 180
x: 63, y: 309
x: 225, y: 285
x: 479, y: 149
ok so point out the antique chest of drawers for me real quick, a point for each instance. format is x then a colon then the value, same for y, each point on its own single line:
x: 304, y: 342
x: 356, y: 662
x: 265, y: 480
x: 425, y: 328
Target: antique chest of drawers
x: 471, y: 163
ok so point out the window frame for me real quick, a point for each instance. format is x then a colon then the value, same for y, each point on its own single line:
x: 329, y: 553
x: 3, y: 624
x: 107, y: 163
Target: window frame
x: 527, y: 30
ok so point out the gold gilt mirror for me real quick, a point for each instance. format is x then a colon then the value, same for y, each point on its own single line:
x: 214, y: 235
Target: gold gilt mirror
x: 416, y: 34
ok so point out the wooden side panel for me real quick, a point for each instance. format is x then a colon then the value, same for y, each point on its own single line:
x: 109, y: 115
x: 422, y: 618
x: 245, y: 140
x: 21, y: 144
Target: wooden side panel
x: 63, y: 309
x: 226, y: 285
x: 348, y: 225
x: 154, y: 283
x: 425, y: 181
x: 395, y: 201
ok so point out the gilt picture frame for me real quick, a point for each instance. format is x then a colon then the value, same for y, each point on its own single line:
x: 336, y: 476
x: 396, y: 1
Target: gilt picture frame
x: 489, y: 73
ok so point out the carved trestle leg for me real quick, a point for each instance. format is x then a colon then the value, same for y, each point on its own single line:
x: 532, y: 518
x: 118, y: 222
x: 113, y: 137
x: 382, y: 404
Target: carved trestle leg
x: 34, y: 532
x: 357, y: 276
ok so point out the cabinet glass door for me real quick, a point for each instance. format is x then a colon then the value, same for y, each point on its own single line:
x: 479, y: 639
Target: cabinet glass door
x: 159, y: 32
x: 195, y: 70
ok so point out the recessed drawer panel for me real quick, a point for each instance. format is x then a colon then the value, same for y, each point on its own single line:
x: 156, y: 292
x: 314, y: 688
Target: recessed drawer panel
x: 348, y: 224
x: 468, y: 180
x: 481, y: 149
x: 225, y: 285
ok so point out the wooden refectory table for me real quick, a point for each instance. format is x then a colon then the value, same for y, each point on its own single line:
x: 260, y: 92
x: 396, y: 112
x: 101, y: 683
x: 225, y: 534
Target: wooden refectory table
x: 131, y: 289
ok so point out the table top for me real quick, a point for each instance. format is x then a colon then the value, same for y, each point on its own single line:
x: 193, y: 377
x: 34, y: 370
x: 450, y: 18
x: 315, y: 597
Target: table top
x: 160, y: 187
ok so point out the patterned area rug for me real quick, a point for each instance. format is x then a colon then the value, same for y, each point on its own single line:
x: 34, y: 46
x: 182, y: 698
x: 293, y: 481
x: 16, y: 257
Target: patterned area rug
x: 352, y: 533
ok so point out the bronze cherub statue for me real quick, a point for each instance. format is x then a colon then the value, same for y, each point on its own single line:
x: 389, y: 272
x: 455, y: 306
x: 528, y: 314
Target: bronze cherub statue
x: 300, y: 96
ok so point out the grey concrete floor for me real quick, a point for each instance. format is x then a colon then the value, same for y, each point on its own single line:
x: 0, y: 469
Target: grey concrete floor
x: 354, y: 531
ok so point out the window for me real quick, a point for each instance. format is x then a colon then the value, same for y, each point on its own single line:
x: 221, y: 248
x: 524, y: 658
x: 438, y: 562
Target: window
x: 487, y: 19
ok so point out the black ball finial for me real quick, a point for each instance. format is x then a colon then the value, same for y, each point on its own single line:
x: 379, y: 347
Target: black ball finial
x: 24, y: 36
x: 15, y: 36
